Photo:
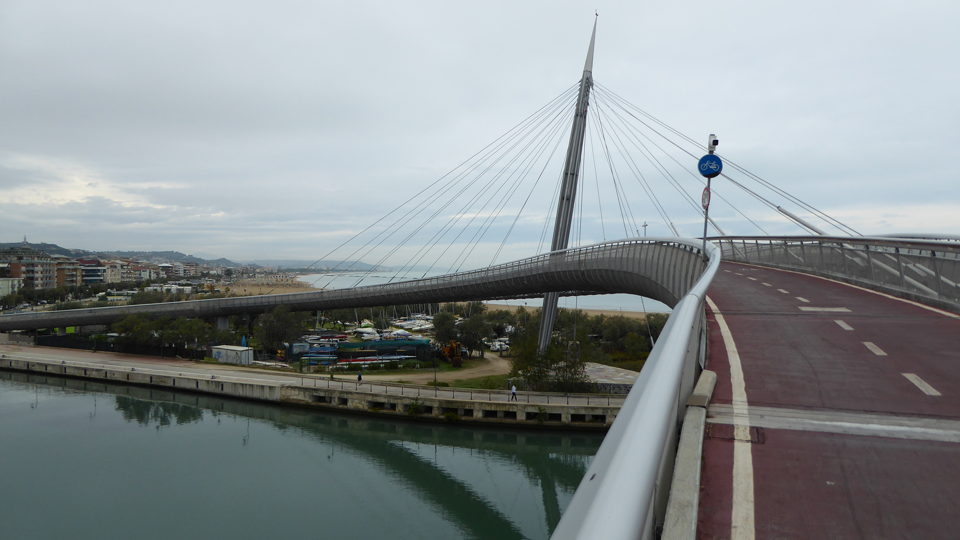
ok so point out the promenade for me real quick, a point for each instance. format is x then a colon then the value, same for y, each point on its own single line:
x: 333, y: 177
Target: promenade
x: 314, y: 389
x: 836, y: 412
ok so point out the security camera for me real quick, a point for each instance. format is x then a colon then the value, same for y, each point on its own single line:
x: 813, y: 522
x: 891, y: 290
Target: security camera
x: 712, y: 143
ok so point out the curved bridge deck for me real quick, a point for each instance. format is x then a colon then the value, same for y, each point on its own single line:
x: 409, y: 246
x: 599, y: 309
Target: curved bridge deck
x: 845, y: 422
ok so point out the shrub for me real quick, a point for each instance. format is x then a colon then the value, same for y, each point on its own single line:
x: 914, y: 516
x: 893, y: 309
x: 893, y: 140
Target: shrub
x: 451, y: 417
x: 415, y: 407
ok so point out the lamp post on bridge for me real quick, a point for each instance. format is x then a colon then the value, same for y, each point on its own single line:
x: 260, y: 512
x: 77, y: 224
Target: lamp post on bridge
x: 709, y: 166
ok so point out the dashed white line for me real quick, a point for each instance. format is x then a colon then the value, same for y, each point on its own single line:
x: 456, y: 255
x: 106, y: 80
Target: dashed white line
x: 921, y: 384
x: 874, y: 349
x: 783, y: 291
x: 738, y: 273
x: 802, y: 299
x: 825, y: 309
x: 727, y: 271
x: 844, y: 325
x: 751, y: 278
x: 767, y: 285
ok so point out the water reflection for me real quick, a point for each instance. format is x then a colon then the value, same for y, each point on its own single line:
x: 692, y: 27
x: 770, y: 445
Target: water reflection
x: 487, y: 483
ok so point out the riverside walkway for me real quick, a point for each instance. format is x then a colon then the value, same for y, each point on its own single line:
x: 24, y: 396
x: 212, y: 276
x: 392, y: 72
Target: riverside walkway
x: 308, y: 384
x: 836, y: 412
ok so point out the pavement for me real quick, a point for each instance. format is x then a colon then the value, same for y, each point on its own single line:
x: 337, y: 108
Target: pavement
x: 180, y: 367
x: 836, y: 412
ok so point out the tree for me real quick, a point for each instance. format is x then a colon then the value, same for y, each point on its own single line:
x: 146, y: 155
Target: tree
x: 277, y: 327
x: 471, y: 332
x: 444, y: 326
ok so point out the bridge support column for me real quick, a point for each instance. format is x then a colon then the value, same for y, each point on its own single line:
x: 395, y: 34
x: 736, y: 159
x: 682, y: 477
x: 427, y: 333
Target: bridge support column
x: 223, y: 323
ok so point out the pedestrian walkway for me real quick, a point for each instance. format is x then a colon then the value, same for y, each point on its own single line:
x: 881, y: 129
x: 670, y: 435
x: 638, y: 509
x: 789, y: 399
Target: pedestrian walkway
x: 229, y: 373
x: 836, y: 412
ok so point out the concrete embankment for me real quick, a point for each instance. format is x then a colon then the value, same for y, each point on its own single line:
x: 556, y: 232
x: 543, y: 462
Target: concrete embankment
x: 415, y: 403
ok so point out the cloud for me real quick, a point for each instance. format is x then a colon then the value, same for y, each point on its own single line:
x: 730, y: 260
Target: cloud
x: 281, y: 131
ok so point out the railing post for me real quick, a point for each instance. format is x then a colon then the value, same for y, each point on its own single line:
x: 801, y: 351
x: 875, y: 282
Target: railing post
x: 903, y: 284
x: 843, y: 256
x: 936, y: 273
x: 870, y: 262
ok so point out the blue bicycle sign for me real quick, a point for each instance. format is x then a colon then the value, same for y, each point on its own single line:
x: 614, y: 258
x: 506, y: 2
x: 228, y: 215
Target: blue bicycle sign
x: 710, y: 165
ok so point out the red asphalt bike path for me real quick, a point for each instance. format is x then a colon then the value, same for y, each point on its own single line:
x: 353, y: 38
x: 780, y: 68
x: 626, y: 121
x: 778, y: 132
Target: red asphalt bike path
x: 811, y: 484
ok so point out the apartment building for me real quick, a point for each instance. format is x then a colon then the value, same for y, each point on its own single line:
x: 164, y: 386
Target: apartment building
x: 35, y: 268
x: 68, y: 271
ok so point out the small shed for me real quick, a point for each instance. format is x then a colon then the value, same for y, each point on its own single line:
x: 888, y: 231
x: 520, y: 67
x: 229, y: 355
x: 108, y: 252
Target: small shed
x: 231, y: 354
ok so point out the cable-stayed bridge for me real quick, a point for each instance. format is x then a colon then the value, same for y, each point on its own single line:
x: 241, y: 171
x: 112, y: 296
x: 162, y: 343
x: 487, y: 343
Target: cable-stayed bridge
x: 790, y: 321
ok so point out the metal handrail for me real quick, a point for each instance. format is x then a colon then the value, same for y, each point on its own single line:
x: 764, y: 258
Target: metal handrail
x: 623, y: 494
x: 924, y: 270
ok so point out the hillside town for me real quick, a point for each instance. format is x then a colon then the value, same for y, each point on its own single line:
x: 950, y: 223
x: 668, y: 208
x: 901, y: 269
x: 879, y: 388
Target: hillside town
x: 26, y: 269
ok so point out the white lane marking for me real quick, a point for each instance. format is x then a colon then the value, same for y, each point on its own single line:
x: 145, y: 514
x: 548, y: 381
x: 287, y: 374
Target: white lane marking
x: 741, y: 519
x: 825, y: 309
x: 751, y: 278
x: 844, y: 325
x: 802, y: 299
x: 840, y: 422
x: 921, y: 384
x: 783, y: 291
x: 738, y: 273
x: 874, y: 349
x: 864, y: 289
x: 727, y: 271
x: 767, y: 285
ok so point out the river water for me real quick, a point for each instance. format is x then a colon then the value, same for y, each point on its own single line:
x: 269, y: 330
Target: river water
x: 83, y: 459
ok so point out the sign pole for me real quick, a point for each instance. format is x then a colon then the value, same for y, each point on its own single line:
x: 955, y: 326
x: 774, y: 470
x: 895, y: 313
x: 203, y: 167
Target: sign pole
x: 709, y: 166
x: 706, y: 216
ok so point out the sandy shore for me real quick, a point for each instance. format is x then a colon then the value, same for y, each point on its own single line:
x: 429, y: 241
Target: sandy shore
x: 591, y: 312
x: 253, y: 288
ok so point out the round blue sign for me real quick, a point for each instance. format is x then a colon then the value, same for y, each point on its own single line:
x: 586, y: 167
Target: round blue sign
x: 710, y: 166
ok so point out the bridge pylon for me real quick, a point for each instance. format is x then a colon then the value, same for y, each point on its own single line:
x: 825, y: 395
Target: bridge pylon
x: 568, y: 190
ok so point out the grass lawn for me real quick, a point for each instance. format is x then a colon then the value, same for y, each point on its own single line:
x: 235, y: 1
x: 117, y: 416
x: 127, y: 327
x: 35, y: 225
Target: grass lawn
x: 490, y: 382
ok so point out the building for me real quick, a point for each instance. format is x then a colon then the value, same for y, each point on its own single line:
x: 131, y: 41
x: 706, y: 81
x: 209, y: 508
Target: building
x: 92, y: 271
x: 142, y: 273
x: 69, y: 273
x: 37, y: 269
x: 10, y: 285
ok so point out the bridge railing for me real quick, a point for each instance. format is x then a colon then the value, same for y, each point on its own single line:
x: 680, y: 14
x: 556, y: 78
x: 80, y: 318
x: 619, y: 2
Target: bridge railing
x: 624, y: 492
x: 924, y: 270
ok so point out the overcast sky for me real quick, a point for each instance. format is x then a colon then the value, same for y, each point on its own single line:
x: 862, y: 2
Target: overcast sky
x: 279, y: 129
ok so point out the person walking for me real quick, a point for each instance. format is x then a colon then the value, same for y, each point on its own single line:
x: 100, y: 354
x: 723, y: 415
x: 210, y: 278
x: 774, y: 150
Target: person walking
x: 359, y: 377
x: 513, y: 393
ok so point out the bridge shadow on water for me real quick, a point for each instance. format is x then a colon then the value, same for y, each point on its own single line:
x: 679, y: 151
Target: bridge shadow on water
x: 553, y: 463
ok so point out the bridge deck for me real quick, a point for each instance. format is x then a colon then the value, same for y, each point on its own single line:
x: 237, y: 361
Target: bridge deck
x: 847, y: 421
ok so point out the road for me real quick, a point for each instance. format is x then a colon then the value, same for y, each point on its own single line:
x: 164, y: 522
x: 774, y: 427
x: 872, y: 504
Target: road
x: 836, y: 412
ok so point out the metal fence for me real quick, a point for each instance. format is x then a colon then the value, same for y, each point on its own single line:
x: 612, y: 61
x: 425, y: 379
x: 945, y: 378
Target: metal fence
x: 925, y: 270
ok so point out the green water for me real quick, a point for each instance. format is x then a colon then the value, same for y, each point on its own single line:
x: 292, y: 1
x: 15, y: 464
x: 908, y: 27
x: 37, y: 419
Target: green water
x: 89, y: 460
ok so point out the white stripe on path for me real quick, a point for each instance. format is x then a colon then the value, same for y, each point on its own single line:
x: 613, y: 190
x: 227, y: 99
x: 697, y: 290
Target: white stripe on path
x: 783, y: 291
x: 921, y: 384
x: 874, y: 349
x: 767, y: 285
x: 751, y: 278
x: 741, y: 519
x: 825, y: 309
x: 802, y: 299
x: 844, y: 325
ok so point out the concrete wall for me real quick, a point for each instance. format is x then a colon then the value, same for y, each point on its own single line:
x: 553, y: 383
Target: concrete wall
x: 423, y: 407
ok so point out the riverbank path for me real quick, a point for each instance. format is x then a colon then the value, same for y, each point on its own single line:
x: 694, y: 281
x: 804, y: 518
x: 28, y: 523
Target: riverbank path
x: 180, y: 367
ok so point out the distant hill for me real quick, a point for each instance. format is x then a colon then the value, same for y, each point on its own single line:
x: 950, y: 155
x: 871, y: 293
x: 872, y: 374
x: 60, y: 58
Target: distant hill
x: 151, y: 256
